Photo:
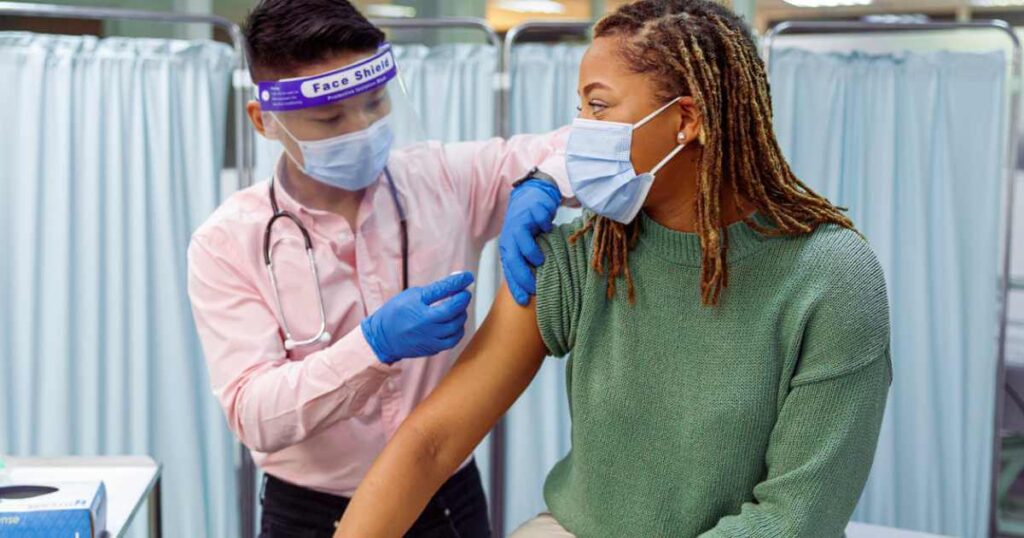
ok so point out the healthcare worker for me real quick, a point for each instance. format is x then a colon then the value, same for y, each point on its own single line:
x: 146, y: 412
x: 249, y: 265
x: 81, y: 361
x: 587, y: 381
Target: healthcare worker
x: 314, y: 290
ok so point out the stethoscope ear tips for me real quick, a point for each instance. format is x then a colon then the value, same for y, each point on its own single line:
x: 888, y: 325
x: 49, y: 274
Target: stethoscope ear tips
x: 325, y: 337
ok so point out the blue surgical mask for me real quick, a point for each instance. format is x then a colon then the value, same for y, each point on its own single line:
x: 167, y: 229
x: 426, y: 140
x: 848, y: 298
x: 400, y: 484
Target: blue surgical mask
x: 352, y: 161
x: 597, y: 158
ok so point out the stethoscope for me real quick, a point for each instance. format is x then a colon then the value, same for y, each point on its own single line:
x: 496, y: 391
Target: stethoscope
x: 322, y: 336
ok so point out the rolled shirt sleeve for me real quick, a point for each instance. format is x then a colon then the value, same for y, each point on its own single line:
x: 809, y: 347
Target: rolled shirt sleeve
x: 483, y: 173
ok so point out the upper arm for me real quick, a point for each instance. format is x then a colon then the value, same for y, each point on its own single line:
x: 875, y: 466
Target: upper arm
x: 508, y: 349
x: 491, y: 373
x: 440, y: 433
x: 238, y: 331
x: 560, y: 286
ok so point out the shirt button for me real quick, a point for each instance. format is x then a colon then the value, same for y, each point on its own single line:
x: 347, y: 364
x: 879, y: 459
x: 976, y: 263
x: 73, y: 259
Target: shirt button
x: 447, y: 512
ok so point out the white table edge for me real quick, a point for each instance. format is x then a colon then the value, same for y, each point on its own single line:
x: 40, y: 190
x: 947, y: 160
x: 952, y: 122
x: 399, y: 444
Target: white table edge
x: 110, y: 461
x: 153, y: 497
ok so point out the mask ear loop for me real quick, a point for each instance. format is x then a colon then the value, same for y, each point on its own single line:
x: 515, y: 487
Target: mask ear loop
x: 654, y: 114
x: 668, y: 158
x: 280, y: 125
x: 682, y: 139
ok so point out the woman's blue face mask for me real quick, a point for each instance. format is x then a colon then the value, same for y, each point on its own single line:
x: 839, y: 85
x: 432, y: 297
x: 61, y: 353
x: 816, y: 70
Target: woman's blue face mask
x: 597, y: 159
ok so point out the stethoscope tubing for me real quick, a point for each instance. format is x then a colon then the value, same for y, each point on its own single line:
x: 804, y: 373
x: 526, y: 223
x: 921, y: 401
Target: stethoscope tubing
x: 322, y: 335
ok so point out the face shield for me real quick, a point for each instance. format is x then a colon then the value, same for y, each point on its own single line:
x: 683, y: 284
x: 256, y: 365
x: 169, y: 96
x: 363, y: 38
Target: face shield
x: 341, y: 126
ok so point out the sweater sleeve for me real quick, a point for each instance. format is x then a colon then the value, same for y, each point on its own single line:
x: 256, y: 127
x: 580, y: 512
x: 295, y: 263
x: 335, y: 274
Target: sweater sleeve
x: 823, y: 443
x: 559, y: 287
x: 818, y: 458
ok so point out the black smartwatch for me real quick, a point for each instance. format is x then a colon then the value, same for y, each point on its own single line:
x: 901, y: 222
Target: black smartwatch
x: 535, y: 173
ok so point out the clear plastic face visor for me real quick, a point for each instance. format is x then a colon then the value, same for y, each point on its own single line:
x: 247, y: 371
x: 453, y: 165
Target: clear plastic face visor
x: 341, y: 128
x: 342, y: 102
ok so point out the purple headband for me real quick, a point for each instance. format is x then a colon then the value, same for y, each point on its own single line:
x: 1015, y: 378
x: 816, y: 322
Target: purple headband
x: 317, y: 90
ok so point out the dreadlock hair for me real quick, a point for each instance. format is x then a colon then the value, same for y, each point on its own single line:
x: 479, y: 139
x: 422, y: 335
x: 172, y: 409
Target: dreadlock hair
x: 703, y: 50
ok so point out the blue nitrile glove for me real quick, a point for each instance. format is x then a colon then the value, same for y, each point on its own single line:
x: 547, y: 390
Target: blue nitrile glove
x: 420, y: 322
x: 531, y: 210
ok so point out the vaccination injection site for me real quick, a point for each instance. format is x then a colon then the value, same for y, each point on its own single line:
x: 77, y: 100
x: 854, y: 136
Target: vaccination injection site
x: 511, y: 268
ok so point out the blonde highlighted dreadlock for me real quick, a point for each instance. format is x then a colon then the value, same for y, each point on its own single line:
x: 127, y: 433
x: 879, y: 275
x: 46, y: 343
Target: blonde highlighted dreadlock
x: 701, y: 49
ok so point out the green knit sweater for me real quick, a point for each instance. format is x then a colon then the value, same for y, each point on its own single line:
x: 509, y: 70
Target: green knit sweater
x: 754, y: 418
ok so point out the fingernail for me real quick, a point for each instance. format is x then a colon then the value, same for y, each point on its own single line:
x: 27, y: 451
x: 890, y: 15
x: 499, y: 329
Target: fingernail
x: 470, y: 273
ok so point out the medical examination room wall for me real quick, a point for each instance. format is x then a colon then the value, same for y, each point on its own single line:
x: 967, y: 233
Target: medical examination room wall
x: 110, y: 158
x: 94, y: 220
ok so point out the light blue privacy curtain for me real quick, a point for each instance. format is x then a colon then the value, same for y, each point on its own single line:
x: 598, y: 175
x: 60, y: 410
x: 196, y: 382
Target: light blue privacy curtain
x: 452, y: 88
x: 914, y: 145
x: 110, y: 155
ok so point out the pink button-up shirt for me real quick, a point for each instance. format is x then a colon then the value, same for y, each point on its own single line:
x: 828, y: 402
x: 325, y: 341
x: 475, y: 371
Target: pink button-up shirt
x: 318, y: 416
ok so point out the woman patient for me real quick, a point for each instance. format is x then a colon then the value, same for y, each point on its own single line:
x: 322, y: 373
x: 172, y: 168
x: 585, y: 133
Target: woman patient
x: 729, y: 329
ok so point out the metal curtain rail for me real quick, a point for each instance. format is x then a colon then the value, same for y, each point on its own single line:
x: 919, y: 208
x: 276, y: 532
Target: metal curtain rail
x: 1008, y: 187
x: 441, y: 23
x: 454, y: 23
x: 812, y: 27
x: 497, y: 471
x: 244, y: 151
x: 513, y: 35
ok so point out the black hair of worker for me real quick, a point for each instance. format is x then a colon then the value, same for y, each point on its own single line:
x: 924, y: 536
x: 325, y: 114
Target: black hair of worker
x: 284, y: 35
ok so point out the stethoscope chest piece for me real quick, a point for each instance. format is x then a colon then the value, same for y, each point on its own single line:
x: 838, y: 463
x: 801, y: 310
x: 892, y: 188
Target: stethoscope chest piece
x: 322, y: 335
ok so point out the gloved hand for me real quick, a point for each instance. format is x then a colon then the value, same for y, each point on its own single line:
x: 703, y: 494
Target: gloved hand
x: 531, y: 210
x: 420, y: 322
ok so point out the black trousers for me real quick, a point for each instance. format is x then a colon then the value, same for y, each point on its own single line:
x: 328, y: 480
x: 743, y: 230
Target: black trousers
x: 458, y: 510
